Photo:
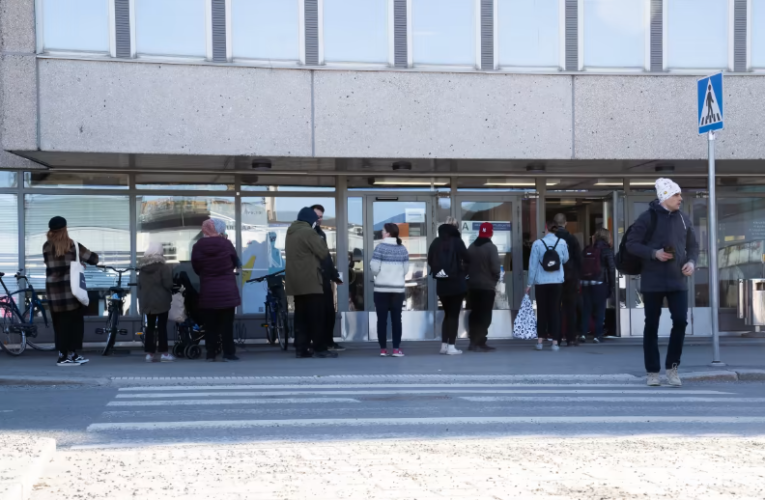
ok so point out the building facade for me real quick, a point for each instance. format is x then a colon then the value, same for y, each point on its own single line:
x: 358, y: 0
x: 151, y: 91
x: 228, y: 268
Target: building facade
x: 138, y: 119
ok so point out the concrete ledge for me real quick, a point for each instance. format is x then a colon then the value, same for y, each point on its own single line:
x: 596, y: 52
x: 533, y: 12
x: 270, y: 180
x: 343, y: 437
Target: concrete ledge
x: 22, y: 462
x: 34, y: 380
x: 710, y: 376
x: 751, y: 375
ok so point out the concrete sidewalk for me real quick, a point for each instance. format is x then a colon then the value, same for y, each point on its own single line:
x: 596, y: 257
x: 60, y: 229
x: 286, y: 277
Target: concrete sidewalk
x: 22, y: 461
x: 611, y: 360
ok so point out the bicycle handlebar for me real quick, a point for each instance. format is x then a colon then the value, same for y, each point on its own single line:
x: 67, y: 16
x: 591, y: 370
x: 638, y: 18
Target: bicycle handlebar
x: 116, y: 270
x: 263, y: 278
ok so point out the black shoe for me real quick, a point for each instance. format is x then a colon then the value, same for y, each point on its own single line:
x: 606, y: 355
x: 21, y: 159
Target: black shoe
x: 582, y: 339
x: 472, y: 347
x: 231, y: 357
x: 336, y: 347
x: 596, y: 340
x: 485, y: 348
x: 67, y: 362
x: 303, y: 354
x: 79, y: 359
x: 325, y: 354
x: 210, y: 359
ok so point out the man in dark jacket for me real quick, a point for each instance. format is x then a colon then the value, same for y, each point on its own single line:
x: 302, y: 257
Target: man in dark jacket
x: 451, y: 284
x: 668, y: 258
x: 304, y: 251
x: 330, y: 275
x: 483, y: 276
x: 572, y: 272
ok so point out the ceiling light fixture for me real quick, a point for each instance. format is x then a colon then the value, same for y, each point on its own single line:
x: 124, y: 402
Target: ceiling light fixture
x: 410, y: 181
x: 518, y: 182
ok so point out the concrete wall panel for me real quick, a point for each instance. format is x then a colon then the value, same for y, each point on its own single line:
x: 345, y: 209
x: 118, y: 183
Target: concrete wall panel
x: 442, y: 115
x: 17, y: 26
x: 647, y: 117
x: 173, y: 109
x: 18, y: 102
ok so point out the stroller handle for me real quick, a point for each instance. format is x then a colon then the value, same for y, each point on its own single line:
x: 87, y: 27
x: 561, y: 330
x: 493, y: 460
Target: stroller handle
x: 262, y: 278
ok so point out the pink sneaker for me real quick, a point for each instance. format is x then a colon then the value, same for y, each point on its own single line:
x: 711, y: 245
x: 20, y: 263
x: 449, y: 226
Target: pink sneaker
x: 397, y: 353
x: 383, y: 352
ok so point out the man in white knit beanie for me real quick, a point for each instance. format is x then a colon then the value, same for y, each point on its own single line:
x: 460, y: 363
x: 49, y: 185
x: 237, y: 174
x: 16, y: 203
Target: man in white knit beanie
x: 665, y: 242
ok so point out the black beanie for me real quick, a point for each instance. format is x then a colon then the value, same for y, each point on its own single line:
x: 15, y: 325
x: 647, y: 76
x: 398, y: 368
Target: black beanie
x: 57, y: 223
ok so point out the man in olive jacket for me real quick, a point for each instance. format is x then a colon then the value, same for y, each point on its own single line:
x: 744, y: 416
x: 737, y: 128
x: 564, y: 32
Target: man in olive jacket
x: 304, y: 251
x: 483, y: 276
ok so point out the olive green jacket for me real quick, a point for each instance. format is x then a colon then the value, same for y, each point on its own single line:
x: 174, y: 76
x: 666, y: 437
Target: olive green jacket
x: 304, y: 250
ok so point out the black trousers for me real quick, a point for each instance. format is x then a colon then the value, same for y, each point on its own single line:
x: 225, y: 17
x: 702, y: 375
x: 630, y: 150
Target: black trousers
x: 329, y: 317
x: 150, y: 343
x: 678, y: 310
x: 452, y: 306
x: 548, y: 310
x: 479, y: 321
x: 69, y: 330
x: 391, y: 303
x: 569, y: 300
x: 219, y: 329
x: 309, y: 322
x: 595, y: 299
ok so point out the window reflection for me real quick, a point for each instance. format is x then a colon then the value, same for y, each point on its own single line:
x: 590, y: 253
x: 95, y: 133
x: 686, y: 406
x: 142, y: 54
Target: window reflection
x: 529, y: 33
x: 77, y: 25
x: 443, y: 32
x: 265, y: 29
x: 355, y: 254
x: 9, y: 228
x: 696, y: 34
x: 356, y: 31
x: 171, y: 27
x: 615, y: 33
x: 757, y: 18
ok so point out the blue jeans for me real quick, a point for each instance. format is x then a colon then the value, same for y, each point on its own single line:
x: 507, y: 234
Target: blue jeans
x: 389, y: 303
x: 678, y: 310
x: 594, y: 299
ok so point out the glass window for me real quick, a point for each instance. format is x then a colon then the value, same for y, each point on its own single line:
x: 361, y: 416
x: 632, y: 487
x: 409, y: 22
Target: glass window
x: 265, y: 221
x: 79, y: 25
x: 178, y: 182
x: 355, y: 278
x: 9, y: 228
x: 443, y: 32
x: 265, y: 29
x: 529, y: 33
x: 615, y: 33
x: 696, y: 33
x: 757, y: 33
x: 356, y: 31
x: 8, y: 179
x: 101, y: 223
x: 171, y: 27
x: 47, y: 179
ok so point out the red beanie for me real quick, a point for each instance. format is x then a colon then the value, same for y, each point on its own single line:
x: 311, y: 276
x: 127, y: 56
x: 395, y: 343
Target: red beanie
x: 486, y: 230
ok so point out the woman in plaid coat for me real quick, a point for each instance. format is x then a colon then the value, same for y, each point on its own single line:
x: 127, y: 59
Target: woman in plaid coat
x: 66, y: 311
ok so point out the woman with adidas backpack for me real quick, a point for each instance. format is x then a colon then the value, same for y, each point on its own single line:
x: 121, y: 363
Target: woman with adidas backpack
x: 598, y: 275
x: 548, y: 255
x: 390, y: 264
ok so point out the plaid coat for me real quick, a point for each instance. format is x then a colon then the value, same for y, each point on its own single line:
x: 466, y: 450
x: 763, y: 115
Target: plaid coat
x: 60, y: 298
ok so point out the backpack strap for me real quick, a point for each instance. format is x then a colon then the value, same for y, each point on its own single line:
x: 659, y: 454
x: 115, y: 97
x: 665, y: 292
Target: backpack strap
x: 651, y: 227
x: 556, y: 244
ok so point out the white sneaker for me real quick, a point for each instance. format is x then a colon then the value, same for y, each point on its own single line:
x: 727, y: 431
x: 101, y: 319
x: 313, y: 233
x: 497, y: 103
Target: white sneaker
x: 653, y: 380
x: 556, y: 347
x: 167, y: 358
x: 149, y: 358
x: 444, y: 348
x: 673, y: 378
x: 452, y: 350
x: 539, y: 346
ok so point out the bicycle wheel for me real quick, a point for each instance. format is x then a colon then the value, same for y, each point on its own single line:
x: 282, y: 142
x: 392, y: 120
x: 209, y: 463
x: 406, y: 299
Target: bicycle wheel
x: 38, y: 347
x: 13, y: 340
x: 111, y: 332
x: 271, y: 334
x: 282, y: 329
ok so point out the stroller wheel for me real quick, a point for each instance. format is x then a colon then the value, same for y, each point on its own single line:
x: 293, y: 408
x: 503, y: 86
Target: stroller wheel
x: 193, y: 351
x: 179, y: 351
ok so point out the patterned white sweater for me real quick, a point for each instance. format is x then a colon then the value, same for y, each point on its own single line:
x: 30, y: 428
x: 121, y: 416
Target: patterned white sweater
x: 390, y: 263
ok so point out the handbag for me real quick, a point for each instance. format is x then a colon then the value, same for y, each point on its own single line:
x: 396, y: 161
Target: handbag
x: 177, y: 308
x: 77, y: 278
x: 525, y: 326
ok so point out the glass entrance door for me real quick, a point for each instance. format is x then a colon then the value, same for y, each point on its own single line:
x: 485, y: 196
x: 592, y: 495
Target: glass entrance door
x: 504, y: 214
x: 414, y: 218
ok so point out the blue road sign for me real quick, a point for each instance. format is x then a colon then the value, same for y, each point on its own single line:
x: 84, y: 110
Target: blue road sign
x: 710, y: 95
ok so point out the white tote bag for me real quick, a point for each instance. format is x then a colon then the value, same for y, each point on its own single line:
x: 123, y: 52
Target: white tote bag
x: 525, y: 326
x: 177, y: 308
x: 77, y: 278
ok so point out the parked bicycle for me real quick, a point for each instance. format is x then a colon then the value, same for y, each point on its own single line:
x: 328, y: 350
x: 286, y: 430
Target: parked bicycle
x: 276, y: 324
x: 16, y: 328
x: 115, y: 304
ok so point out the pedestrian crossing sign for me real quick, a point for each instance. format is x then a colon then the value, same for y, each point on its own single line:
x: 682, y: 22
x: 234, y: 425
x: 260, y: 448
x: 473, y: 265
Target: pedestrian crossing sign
x: 710, y: 96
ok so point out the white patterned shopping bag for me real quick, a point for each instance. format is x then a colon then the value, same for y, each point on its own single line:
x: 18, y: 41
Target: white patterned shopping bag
x: 525, y: 326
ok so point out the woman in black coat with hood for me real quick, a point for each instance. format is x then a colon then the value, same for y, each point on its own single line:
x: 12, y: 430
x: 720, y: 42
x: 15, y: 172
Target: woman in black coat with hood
x: 448, y: 259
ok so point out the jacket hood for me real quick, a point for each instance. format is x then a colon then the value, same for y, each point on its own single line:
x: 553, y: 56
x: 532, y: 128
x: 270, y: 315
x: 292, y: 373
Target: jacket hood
x: 308, y: 215
x: 149, y: 260
x: 561, y: 233
x: 479, y: 242
x: 447, y: 230
x: 298, y: 225
x: 655, y: 205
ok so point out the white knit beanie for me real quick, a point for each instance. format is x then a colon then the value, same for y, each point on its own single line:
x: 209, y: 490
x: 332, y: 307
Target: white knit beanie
x: 666, y: 189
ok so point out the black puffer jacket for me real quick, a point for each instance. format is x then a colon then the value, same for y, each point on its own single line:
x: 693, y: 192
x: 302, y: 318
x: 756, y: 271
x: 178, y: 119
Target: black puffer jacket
x: 457, y: 285
x: 673, y: 229
x: 572, y: 269
x: 607, y: 265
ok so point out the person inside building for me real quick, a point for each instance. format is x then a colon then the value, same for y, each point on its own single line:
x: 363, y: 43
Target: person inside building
x: 484, y: 274
x: 329, y: 275
x: 305, y: 250
x: 546, y: 274
x: 155, y: 293
x: 67, y: 313
x: 598, y: 278
x: 448, y: 259
x: 572, y: 271
x: 664, y: 240
x: 214, y: 259
x: 389, y: 265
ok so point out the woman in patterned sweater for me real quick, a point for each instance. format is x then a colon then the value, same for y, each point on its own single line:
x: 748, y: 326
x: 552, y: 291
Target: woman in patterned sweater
x: 390, y: 264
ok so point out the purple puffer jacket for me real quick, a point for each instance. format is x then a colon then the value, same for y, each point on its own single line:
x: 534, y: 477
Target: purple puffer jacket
x: 214, y: 260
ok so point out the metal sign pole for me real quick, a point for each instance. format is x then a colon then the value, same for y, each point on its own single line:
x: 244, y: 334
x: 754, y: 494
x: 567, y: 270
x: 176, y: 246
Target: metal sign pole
x: 714, y: 284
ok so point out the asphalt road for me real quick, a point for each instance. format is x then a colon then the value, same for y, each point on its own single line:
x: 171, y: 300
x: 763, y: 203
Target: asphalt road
x: 134, y: 417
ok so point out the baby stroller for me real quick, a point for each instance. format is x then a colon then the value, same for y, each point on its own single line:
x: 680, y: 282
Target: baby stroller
x: 189, y: 333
